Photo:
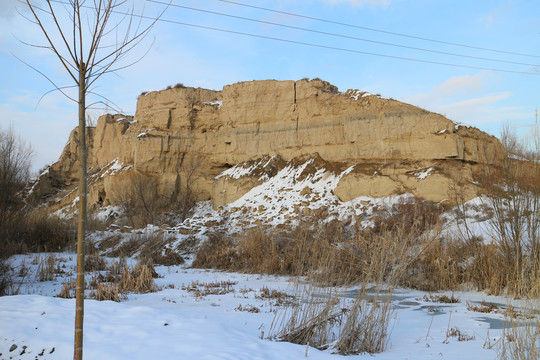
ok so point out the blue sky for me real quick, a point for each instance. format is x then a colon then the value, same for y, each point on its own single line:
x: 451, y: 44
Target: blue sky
x: 205, y: 58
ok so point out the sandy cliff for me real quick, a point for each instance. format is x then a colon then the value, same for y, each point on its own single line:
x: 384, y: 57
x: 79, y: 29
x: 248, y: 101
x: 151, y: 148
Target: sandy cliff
x: 186, y: 133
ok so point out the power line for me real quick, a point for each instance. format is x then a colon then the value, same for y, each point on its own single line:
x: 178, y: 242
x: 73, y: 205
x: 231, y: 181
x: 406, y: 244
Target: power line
x: 379, y: 30
x: 341, y: 49
x: 315, y: 45
x: 341, y: 35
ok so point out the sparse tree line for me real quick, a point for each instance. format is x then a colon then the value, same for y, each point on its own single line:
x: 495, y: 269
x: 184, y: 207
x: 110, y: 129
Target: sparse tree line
x: 22, y: 227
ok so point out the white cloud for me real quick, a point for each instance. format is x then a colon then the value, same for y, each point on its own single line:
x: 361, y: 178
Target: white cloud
x: 468, y: 99
x: 480, y: 101
x: 493, y: 17
x: 382, y: 3
x: 456, y: 85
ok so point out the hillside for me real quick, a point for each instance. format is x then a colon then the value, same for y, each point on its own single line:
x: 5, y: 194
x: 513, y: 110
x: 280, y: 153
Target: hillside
x: 218, y: 145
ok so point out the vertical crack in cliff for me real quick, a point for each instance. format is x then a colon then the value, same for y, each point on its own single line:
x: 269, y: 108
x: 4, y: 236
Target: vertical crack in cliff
x: 169, y: 120
x: 181, y: 160
x: 294, y: 110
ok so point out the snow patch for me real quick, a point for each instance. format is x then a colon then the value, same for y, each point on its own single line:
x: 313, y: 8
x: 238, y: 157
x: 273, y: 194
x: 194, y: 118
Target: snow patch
x: 421, y: 175
x: 115, y: 167
x: 144, y: 133
x: 357, y: 94
x: 219, y: 103
x: 172, y: 321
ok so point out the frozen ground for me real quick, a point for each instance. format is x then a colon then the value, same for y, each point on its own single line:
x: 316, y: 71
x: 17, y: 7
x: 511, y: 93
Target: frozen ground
x: 175, y: 323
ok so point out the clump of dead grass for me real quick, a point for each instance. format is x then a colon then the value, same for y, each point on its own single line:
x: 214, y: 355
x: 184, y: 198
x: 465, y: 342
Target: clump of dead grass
x: 116, y: 281
x: 49, y: 267
x: 521, y: 337
x: 68, y: 289
x: 153, y: 246
x: 461, y: 336
x: 278, y: 298
x: 198, y: 289
x: 445, y: 299
x: 248, y: 308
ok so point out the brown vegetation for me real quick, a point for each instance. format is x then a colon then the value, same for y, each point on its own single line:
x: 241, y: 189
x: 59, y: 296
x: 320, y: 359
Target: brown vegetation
x: 116, y: 280
x: 143, y: 203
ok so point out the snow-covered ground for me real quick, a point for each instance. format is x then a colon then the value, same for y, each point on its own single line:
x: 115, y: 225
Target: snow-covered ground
x: 176, y: 323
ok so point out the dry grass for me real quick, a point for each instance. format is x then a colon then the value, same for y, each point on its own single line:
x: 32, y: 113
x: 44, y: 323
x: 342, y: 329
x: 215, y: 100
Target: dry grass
x: 278, y: 298
x: 313, y: 322
x: 119, y: 281
x: 138, y: 279
x: 68, y: 289
x: 248, y: 308
x: 49, y: 267
x: 483, y: 308
x: 323, y: 319
x: 35, y: 231
x: 445, y: 299
x: 521, y: 338
x: 513, y: 193
x: 107, y: 292
x: 461, y: 336
x: 509, y: 312
x: 327, y: 253
x: 151, y: 246
x: 198, y: 289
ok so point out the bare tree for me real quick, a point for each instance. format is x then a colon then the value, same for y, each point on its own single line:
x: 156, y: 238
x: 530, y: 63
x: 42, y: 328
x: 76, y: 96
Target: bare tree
x: 88, y: 42
x: 15, y: 157
x: 513, y: 194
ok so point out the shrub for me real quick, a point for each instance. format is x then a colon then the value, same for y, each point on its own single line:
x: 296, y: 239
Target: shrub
x: 513, y: 194
x: 142, y: 203
x: 120, y: 281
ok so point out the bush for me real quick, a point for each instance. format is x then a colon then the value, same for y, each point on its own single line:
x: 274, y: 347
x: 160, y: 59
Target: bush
x: 513, y: 194
x: 326, y: 252
x: 142, y: 203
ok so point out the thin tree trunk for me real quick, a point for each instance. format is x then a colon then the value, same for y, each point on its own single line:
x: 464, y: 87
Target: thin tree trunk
x: 79, y: 309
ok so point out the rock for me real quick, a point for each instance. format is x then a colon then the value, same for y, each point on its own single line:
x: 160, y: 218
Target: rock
x: 256, y: 128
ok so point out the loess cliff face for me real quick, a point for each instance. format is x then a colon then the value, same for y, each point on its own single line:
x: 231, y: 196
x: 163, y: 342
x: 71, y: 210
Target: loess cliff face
x: 186, y: 137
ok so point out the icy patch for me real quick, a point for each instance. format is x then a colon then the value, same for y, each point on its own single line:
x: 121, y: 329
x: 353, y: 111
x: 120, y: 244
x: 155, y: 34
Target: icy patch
x: 441, y: 132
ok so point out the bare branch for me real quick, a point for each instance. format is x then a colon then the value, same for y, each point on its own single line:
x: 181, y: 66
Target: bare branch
x: 31, y: 7
x: 60, y: 30
x: 104, y: 98
x: 46, y: 77
x: 56, y: 89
